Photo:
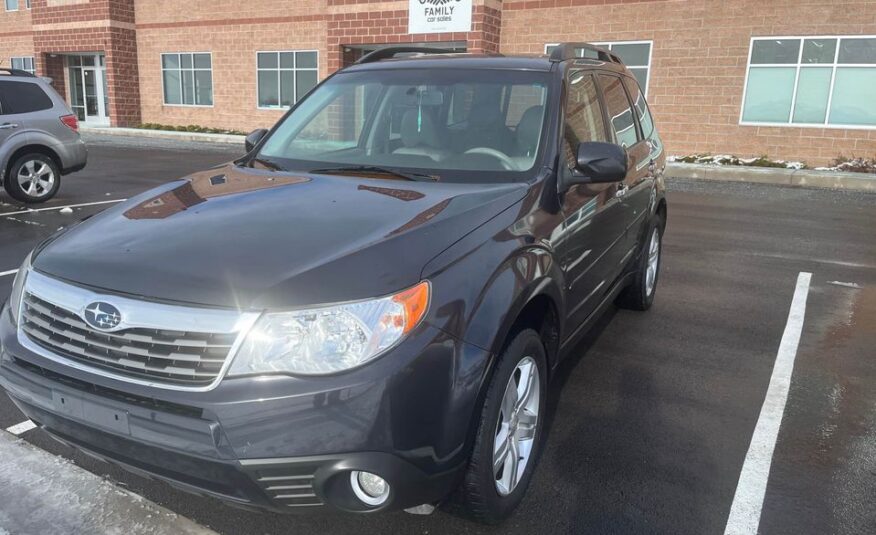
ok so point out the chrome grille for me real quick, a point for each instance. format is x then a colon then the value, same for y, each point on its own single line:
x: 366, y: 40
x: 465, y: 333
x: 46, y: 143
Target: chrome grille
x: 179, y: 357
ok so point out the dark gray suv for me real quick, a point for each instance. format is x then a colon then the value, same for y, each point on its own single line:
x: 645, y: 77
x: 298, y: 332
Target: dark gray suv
x: 39, y: 137
x: 365, y: 311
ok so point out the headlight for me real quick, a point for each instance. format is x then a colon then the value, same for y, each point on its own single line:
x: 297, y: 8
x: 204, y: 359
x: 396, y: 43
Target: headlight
x: 330, y: 339
x: 18, y: 289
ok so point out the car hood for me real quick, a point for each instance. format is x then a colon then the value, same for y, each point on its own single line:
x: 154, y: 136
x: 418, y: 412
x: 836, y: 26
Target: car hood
x: 250, y: 238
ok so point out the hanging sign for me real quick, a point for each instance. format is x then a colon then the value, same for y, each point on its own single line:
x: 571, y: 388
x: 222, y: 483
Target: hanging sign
x: 439, y: 16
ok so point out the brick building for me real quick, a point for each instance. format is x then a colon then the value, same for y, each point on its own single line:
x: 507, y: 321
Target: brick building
x: 792, y: 79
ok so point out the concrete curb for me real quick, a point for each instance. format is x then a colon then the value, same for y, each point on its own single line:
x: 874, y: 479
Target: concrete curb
x: 165, y: 134
x: 807, y: 178
x: 42, y: 493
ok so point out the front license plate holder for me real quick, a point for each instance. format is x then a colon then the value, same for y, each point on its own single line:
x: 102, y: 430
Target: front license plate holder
x: 93, y: 413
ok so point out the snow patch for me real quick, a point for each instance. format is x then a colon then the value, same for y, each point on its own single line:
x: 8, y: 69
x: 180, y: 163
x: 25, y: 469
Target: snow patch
x: 845, y: 284
x: 729, y: 159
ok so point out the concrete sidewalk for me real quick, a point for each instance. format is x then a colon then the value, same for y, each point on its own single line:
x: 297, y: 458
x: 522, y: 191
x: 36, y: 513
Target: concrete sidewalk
x: 44, y: 494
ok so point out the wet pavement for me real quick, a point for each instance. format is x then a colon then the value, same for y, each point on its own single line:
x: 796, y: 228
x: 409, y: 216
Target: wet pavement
x: 651, y: 419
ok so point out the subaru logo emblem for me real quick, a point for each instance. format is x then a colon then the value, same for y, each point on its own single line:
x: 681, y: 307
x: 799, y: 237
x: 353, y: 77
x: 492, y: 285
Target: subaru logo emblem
x: 102, y: 316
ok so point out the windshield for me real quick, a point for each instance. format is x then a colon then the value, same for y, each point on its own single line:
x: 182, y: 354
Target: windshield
x: 452, y: 125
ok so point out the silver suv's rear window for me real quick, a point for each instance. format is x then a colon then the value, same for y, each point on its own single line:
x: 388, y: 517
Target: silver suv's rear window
x: 22, y: 97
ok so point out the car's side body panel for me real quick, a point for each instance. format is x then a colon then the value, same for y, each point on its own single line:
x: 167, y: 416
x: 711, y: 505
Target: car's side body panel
x: 40, y: 130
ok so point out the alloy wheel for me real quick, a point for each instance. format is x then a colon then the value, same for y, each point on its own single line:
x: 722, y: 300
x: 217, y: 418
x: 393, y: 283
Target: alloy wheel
x: 653, y: 262
x: 515, y: 431
x: 36, y: 178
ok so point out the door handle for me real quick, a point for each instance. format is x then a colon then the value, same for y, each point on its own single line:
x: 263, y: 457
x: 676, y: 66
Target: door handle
x: 7, y: 126
x: 652, y: 169
x: 621, y: 190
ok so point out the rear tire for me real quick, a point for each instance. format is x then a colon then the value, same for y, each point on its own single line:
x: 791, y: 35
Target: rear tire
x: 511, y: 427
x: 639, y: 295
x: 33, y: 178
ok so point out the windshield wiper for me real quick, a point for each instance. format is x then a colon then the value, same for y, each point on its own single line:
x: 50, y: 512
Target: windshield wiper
x: 418, y: 177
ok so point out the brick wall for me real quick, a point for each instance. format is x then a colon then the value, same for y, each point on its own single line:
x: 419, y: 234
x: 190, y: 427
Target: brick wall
x: 16, y: 36
x: 90, y: 26
x: 699, y: 59
x: 234, y: 47
x: 234, y: 33
x: 368, y: 22
x: 54, y: 67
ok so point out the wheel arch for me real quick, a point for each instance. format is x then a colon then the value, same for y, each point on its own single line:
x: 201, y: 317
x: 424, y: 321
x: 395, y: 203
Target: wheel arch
x: 662, y: 209
x: 30, y: 149
x: 538, y: 310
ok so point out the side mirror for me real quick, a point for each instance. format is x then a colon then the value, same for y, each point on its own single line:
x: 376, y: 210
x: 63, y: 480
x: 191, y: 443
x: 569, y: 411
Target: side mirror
x: 253, y: 138
x: 600, y: 162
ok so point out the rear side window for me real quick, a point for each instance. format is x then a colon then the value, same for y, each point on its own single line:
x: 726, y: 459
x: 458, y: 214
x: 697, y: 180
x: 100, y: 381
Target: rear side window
x: 641, y: 107
x: 23, y: 97
x: 583, y: 117
x: 620, y: 112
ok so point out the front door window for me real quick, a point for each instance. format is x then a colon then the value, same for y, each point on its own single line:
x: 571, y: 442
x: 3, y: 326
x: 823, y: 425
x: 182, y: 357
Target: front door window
x: 88, y: 91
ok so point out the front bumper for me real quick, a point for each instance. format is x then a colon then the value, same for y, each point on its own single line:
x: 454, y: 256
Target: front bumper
x: 280, y: 443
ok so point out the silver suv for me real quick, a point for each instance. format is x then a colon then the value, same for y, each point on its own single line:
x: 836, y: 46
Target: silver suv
x: 39, y: 137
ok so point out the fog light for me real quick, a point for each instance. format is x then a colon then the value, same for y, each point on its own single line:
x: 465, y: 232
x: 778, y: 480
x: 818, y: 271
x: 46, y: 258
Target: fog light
x: 370, y: 488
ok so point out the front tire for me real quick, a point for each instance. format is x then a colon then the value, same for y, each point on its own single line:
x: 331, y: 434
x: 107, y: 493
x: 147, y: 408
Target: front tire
x: 639, y: 295
x: 508, y: 439
x: 33, y: 178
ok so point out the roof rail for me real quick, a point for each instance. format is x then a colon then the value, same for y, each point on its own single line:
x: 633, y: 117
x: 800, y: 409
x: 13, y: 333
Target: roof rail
x: 391, y: 51
x: 17, y: 72
x: 564, y: 51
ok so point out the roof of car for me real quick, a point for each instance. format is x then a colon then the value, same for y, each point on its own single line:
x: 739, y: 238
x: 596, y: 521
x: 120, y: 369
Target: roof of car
x: 6, y: 71
x: 458, y: 60
x: 530, y: 62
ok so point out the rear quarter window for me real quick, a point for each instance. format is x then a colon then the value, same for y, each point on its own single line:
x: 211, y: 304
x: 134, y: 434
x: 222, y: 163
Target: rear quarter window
x: 23, y: 97
x: 641, y: 107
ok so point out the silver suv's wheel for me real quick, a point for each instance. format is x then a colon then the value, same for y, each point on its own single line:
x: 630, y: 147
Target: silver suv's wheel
x: 508, y: 438
x: 33, y: 178
x: 36, y: 178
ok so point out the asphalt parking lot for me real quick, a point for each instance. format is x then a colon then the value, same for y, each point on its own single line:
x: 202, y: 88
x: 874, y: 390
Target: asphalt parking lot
x: 651, y: 421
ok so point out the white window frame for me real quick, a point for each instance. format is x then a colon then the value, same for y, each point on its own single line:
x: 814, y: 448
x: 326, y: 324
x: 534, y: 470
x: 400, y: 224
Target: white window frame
x: 32, y: 69
x: 608, y: 44
x: 180, y: 69
x: 278, y: 70
x: 17, y: 6
x: 800, y: 64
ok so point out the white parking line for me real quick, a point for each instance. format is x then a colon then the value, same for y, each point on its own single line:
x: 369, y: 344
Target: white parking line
x: 744, y: 516
x: 61, y: 207
x: 10, y: 272
x: 23, y: 427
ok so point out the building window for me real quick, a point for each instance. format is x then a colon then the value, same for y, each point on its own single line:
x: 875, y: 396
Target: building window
x: 285, y: 77
x: 24, y: 64
x: 187, y: 78
x: 11, y: 5
x: 27, y: 4
x: 811, y: 81
x: 636, y: 55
